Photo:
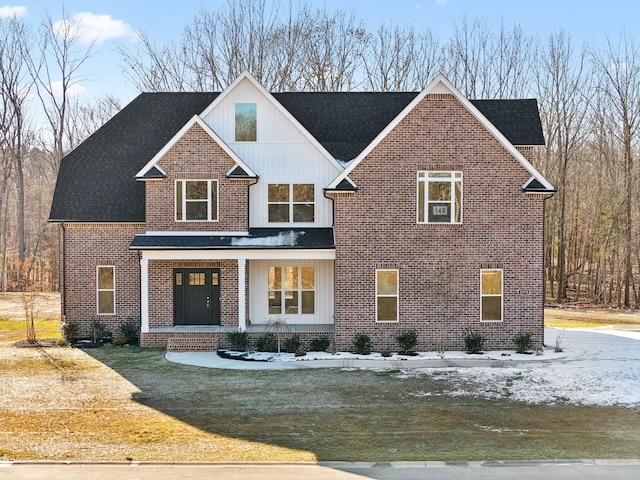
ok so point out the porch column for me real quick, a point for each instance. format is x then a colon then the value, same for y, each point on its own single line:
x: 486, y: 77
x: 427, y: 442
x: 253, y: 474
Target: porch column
x: 242, y: 301
x: 144, y: 294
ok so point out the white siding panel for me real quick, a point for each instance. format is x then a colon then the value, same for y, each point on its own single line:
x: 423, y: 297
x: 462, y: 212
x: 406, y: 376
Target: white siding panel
x: 258, y: 286
x: 282, y: 154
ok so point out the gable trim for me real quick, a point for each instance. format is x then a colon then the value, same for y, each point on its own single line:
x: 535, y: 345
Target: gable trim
x: 196, y: 120
x: 245, y: 75
x: 440, y: 85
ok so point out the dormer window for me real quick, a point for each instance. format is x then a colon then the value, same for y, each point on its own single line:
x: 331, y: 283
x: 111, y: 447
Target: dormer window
x: 246, y: 122
x: 196, y: 200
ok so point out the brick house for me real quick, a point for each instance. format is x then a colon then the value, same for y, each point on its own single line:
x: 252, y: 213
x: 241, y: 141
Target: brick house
x: 196, y: 214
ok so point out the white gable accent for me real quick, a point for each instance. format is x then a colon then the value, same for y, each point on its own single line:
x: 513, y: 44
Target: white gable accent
x: 246, y: 76
x: 195, y: 120
x: 441, y: 85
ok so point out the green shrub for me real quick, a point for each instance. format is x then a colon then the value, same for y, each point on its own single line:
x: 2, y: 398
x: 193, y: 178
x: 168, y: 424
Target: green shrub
x: 320, y: 344
x: 362, y: 344
x: 523, y: 342
x: 71, y: 331
x: 127, y: 333
x: 292, y: 344
x: 407, y: 341
x: 267, y: 343
x: 473, y: 342
x: 239, y: 341
x: 99, y: 332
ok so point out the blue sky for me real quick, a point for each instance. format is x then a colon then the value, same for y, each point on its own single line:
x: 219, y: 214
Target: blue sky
x: 586, y: 20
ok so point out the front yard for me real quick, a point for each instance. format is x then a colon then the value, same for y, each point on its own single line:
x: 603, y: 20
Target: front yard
x: 114, y: 403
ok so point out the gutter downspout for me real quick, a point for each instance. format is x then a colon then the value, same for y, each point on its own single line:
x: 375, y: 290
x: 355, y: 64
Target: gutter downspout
x: 64, y: 272
x: 544, y: 270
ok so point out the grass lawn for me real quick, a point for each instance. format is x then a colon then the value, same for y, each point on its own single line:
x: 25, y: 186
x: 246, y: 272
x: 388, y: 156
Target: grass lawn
x: 581, y: 318
x: 115, y: 404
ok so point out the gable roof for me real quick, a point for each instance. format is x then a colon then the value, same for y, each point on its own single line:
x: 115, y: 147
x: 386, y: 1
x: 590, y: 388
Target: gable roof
x: 195, y: 120
x: 441, y: 85
x: 96, y: 181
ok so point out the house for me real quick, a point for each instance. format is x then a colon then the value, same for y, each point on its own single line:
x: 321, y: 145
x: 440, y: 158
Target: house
x: 196, y: 214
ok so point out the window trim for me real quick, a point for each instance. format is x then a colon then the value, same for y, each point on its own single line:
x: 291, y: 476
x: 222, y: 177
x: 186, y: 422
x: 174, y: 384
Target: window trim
x: 183, y: 197
x: 422, y: 190
x: 299, y: 290
x: 291, y: 203
x: 501, y: 294
x: 98, y: 289
x: 396, y: 295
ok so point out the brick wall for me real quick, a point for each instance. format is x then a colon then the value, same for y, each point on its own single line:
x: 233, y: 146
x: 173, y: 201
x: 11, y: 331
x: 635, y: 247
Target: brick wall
x: 90, y: 245
x: 439, y: 265
x: 197, y: 156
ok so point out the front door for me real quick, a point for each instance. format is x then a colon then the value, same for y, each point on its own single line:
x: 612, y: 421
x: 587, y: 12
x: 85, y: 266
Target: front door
x: 196, y: 296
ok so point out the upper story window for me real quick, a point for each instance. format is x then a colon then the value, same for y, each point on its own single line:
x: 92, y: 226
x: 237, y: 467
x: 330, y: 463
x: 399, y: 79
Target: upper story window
x: 196, y: 200
x: 439, y: 197
x: 246, y: 122
x: 291, y: 202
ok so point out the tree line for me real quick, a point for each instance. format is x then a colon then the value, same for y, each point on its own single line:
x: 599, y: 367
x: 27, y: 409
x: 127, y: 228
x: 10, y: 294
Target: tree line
x: 588, y: 94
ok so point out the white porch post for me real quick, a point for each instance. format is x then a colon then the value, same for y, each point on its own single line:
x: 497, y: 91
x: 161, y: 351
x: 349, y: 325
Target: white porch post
x: 242, y: 301
x: 144, y: 294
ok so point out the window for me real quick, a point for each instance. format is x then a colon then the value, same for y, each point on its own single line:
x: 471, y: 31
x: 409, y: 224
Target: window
x: 292, y: 290
x: 386, y: 295
x: 246, y: 122
x: 291, y: 202
x: 439, y: 197
x: 196, y: 200
x: 491, y: 295
x: 106, y: 290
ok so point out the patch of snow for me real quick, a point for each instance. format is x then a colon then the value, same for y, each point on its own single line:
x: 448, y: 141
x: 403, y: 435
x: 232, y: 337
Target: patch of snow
x: 283, y: 239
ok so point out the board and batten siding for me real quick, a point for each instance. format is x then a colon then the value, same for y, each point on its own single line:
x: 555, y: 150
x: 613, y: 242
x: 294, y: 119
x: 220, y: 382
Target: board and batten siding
x: 324, y: 292
x: 281, y: 154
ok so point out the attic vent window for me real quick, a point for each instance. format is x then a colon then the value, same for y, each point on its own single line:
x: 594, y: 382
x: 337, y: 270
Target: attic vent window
x: 246, y: 122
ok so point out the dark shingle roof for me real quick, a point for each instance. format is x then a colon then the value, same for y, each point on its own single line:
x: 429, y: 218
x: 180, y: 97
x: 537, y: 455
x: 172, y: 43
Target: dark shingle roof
x: 96, y: 182
x: 518, y: 120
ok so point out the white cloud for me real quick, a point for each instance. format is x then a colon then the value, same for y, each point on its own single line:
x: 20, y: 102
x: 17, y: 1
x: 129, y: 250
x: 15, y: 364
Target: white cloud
x: 74, y: 90
x: 90, y: 27
x: 441, y: 3
x: 9, y: 11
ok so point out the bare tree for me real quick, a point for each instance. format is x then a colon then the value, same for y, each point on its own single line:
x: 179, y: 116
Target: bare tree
x: 563, y: 92
x: 618, y: 66
x: 389, y: 60
x: 56, y: 71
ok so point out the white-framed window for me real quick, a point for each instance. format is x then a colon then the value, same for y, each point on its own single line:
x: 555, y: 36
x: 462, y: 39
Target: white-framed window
x: 491, y: 293
x: 292, y: 290
x: 387, y: 295
x: 246, y: 124
x: 439, y: 197
x: 196, y: 200
x: 291, y: 202
x: 106, y: 289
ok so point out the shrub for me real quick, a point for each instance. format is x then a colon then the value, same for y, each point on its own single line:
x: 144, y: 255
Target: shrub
x: 128, y: 332
x: 71, y: 331
x: 407, y: 341
x: 362, y: 344
x: 320, y: 344
x: 239, y: 341
x: 523, y: 342
x: 99, y: 331
x: 267, y: 343
x: 292, y: 344
x: 473, y: 342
